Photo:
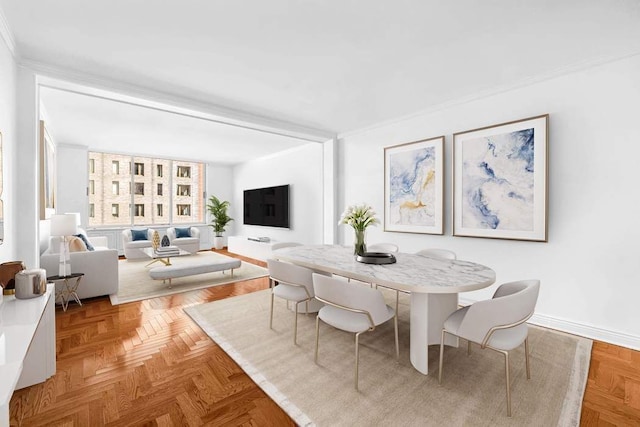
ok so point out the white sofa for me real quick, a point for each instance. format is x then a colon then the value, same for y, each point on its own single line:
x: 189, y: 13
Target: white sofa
x: 189, y: 244
x: 100, y: 267
x: 132, y: 247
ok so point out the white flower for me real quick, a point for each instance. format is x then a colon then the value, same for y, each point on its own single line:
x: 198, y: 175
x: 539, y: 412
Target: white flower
x: 359, y: 216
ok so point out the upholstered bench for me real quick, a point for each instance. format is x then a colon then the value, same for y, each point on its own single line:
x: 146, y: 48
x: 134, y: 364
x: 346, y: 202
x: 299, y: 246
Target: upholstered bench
x: 174, y: 271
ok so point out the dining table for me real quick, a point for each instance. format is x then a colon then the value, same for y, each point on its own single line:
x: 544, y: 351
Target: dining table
x: 433, y: 285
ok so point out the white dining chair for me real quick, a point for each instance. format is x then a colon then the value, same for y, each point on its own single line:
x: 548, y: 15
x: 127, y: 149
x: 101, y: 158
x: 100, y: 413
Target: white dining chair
x: 497, y: 324
x: 437, y: 253
x: 292, y: 283
x: 383, y: 247
x: 352, y: 308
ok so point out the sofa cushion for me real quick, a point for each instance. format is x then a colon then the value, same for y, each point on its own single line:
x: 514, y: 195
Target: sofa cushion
x: 139, y: 234
x: 86, y: 241
x: 139, y: 244
x: 183, y: 232
x: 77, y: 245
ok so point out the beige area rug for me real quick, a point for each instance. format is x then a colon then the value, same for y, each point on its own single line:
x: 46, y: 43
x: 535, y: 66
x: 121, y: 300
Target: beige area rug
x: 135, y: 283
x: 392, y: 393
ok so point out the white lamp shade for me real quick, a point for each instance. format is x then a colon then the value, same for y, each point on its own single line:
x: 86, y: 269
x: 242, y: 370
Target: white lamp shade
x: 63, y: 225
x: 77, y: 216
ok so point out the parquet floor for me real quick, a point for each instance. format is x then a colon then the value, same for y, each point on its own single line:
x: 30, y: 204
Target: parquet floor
x: 147, y: 363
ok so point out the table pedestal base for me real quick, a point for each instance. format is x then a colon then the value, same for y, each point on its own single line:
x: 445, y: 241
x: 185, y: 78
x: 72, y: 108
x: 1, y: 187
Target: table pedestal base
x: 428, y: 313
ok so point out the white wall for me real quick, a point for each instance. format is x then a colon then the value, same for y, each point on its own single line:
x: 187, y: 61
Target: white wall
x: 8, y: 77
x: 301, y: 168
x: 590, y: 268
x: 220, y: 184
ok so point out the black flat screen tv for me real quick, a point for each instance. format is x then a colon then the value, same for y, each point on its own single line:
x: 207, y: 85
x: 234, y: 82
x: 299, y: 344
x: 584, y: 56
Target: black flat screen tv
x: 267, y: 206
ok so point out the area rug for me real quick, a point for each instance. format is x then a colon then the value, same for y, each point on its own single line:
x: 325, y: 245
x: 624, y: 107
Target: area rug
x: 392, y: 392
x: 135, y: 283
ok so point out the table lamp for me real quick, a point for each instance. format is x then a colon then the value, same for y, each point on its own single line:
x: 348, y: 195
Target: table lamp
x: 63, y: 226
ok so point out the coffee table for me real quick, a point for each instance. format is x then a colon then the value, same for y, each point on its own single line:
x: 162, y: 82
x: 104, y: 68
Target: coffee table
x: 165, y: 259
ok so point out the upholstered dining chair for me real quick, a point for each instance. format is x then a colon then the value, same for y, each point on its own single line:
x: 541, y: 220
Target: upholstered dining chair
x: 383, y: 247
x: 292, y: 283
x: 351, y: 308
x: 437, y: 253
x: 497, y: 324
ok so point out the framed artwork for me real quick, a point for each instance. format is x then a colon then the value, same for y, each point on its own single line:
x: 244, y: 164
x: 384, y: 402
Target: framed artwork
x: 500, y: 181
x: 414, y: 187
x: 47, y: 174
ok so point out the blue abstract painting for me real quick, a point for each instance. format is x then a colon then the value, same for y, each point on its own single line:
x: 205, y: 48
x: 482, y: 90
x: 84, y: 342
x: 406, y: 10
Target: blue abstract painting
x: 414, y: 181
x: 500, y: 180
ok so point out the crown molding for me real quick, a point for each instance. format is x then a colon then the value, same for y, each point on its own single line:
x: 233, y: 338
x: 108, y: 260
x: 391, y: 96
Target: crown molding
x: 7, y: 34
x: 558, y: 72
x: 91, y: 85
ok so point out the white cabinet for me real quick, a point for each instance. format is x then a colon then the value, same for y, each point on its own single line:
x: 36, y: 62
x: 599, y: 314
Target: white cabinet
x: 242, y: 246
x: 27, y: 345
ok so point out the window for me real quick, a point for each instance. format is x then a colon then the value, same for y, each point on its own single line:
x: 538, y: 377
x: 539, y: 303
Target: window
x: 184, y: 190
x: 139, y: 189
x: 92, y: 166
x: 159, y: 184
x: 92, y: 187
x: 184, y: 172
x: 92, y: 210
x: 115, y: 167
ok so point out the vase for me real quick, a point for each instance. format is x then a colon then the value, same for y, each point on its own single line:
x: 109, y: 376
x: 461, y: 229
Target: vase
x: 360, y: 247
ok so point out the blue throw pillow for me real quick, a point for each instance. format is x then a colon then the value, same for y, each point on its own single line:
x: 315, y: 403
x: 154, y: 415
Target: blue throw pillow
x: 183, y: 232
x: 86, y: 242
x: 139, y: 234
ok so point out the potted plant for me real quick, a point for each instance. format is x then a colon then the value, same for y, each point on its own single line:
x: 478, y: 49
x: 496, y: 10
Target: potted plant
x: 220, y: 219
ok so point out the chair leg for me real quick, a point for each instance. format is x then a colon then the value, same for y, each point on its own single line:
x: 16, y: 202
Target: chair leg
x: 271, y: 313
x: 526, y: 357
x: 508, y: 381
x: 295, y: 323
x: 357, y: 359
x: 468, y: 348
x: 395, y: 325
x: 317, y: 337
x: 441, y: 357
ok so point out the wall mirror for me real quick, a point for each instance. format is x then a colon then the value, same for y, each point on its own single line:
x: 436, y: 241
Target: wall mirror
x: 1, y: 202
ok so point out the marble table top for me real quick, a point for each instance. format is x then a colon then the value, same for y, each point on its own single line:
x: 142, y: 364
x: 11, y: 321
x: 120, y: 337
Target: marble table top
x: 411, y: 272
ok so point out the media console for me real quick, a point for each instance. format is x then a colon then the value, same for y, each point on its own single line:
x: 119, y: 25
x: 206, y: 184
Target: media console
x: 241, y: 245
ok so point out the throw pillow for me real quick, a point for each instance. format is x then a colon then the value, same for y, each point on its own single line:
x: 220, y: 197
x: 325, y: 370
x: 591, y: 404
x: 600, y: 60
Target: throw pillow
x: 183, y: 232
x: 86, y: 242
x: 77, y: 245
x: 139, y: 234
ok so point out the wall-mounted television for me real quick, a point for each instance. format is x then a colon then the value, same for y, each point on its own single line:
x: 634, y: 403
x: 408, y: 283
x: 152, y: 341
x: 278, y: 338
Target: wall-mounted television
x: 267, y: 206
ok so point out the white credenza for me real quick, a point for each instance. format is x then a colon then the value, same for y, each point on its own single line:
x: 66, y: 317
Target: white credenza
x: 27, y: 345
x: 242, y: 246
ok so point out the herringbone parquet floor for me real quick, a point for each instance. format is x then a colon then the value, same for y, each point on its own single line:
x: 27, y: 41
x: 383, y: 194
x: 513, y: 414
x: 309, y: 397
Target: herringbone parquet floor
x: 148, y: 363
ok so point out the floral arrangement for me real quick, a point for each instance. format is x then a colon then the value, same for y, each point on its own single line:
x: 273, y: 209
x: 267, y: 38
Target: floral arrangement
x: 359, y: 217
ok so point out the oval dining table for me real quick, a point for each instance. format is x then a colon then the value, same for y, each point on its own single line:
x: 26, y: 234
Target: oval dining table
x: 433, y: 285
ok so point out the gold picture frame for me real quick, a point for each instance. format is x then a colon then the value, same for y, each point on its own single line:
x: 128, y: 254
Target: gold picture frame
x: 47, y: 173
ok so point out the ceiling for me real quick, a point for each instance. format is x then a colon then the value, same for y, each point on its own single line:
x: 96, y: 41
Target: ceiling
x: 331, y: 66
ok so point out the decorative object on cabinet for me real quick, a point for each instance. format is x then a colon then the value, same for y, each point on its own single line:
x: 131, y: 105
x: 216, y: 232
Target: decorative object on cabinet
x: 500, y: 181
x: 414, y: 187
x: 8, y: 271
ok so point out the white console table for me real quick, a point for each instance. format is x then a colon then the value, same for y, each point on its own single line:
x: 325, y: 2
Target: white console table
x: 242, y: 246
x: 27, y: 345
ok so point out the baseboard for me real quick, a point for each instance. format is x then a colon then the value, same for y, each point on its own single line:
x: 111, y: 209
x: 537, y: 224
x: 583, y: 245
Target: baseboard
x: 587, y: 331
